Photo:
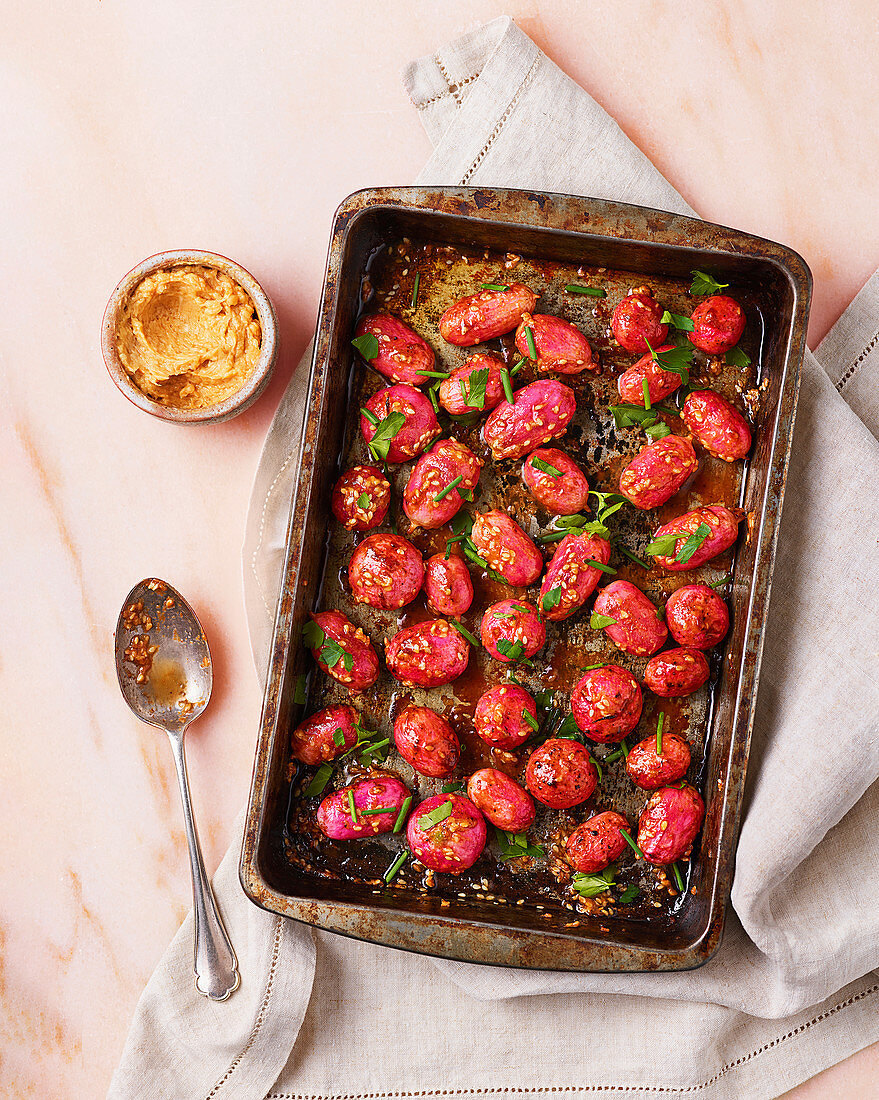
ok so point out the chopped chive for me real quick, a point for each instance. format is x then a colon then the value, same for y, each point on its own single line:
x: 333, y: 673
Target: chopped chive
x: 378, y: 810
x: 530, y: 719
x: 508, y: 388
x: 371, y: 417
x: 443, y: 493
x: 552, y: 536
x: 678, y: 880
x: 388, y: 876
x: 722, y: 583
x: 401, y: 816
x: 339, y: 736
x: 320, y: 780
x: 645, y: 389
x: 628, y: 839
x: 517, y: 366
x: 597, y: 767
x: 494, y: 286
x: 592, y: 291
x: 465, y: 397
x: 589, y: 668
x: 624, y: 746
x: 463, y: 630
x: 433, y: 373
x: 452, y: 788
x: 659, y: 725
x: 529, y: 339
x: 615, y: 755
x: 600, y: 565
x: 431, y: 393
x: 633, y: 557
x: 415, y: 289
x: 351, y: 806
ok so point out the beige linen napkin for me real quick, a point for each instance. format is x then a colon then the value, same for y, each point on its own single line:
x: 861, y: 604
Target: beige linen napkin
x: 387, y: 1024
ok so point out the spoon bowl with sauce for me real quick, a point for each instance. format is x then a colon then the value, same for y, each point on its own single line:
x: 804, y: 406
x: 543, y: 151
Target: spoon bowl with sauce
x: 164, y: 669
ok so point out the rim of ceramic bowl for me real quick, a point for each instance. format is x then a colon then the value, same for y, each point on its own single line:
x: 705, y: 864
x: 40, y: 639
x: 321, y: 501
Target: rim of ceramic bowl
x: 258, y: 380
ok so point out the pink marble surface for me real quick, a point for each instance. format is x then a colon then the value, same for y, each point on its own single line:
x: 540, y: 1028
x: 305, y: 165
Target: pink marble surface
x: 238, y: 127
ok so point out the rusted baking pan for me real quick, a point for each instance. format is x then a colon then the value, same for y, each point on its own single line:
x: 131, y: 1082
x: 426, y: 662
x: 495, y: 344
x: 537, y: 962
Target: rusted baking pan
x: 523, y: 911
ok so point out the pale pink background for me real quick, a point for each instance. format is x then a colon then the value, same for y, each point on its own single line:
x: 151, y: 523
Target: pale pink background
x: 134, y: 127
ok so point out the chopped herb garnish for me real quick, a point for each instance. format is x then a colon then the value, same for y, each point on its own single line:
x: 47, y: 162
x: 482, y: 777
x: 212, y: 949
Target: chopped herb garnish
x: 663, y: 545
x: 552, y: 536
x: 442, y: 374
x: 659, y: 726
x: 362, y: 500
x: 401, y: 816
x: 494, y: 286
x: 463, y: 630
x: 508, y: 386
x: 628, y: 839
x: 551, y: 600
x: 339, y: 737
x: 443, y: 493
x: 600, y: 565
x: 452, y: 788
x: 388, y: 876
x: 529, y: 340
x: 515, y: 845
x: 657, y: 431
x: 329, y: 650
x: 512, y: 650
x: 544, y: 698
x: 704, y: 283
x: 432, y: 394
x: 675, y: 360
x: 636, y: 416
x: 414, y: 301
x: 692, y: 544
x: 320, y: 780
x: 474, y: 394
x: 592, y: 291
x: 299, y: 693
x: 370, y: 416
x: 367, y: 345
x: 569, y: 730
x: 629, y: 894
x: 517, y: 366
x: 632, y: 557
x: 352, y: 808
x: 544, y: 467
x: 472, y: 555
x: 645, y: 389
x: 378, y: 810
x: 722, y: 583
x: 589, y: 668
x: 623, y: 750
x: 678, y: 880
x: 439, y: 813
x: 597, y: 767
x: 530, y: 719
x: 735, y: 357
x: 590, y: 886
x: 462, y: 523
x: 598, y: 622
x: 385, y: 432
x: 682, y: 324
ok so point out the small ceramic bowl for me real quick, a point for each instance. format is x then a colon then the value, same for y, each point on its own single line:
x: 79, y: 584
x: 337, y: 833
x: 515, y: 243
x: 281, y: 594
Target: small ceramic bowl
x: 255, y: 384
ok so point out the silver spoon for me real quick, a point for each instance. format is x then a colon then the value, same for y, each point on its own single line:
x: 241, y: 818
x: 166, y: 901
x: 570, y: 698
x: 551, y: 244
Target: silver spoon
x: 164, y: 669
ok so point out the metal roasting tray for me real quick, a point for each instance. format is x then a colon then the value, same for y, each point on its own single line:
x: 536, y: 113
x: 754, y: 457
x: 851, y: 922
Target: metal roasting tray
x: 515, y: 913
